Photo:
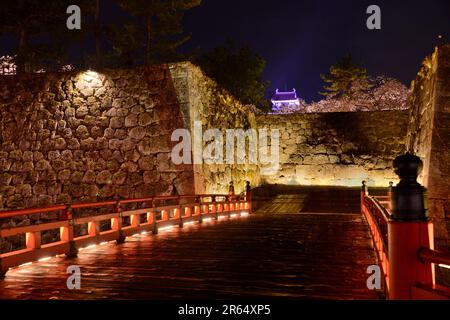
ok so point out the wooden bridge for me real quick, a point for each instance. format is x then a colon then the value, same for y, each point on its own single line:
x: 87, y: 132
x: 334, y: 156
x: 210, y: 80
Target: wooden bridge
x: 284, y: 252
x: 215, y: 246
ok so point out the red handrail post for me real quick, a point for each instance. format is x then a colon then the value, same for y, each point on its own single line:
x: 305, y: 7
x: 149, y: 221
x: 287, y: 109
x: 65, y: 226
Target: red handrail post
x: 151, y: 217
x: 231, y: 191
x: 33, y: 240
x: 164, y: 215
x: 179, y: 213
x: 2, y: 271
x: 201, y: 213
x: 215, y: 208
x: 93, y: 229
x: 116, y: 223
x: 364, y: 193
x: 67, y: 233
x: 408, y: 231
x: 389, y: 195
x: 198, y: 209
x: 248, y: 197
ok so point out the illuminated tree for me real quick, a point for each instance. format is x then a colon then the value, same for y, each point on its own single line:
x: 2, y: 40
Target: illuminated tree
x: 384, y: 94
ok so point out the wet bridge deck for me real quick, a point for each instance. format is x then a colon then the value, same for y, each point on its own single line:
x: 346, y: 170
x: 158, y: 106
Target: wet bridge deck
x: 282, y: 252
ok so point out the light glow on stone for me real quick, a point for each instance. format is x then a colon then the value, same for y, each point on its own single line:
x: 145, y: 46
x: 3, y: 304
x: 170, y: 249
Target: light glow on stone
x: 89, y: 78
x: 90, y: 75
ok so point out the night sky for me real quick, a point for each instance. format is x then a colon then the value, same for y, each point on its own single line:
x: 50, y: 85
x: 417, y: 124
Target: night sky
x: 300, y: 39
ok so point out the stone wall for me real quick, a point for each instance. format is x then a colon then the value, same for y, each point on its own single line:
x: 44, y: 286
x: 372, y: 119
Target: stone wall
x: 88, y: 136
x: 202, y: 100
x: 429, y: 135
x: 70, y: 137
x: 338, y: 148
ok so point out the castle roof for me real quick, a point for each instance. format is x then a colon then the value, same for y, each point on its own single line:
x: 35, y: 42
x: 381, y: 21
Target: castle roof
x: 284, y: 96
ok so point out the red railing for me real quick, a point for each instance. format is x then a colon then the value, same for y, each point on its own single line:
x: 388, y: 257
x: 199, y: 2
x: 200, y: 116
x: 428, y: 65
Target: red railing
x: 153, y: 213
x: 391, y: 239
x: 378, y: 218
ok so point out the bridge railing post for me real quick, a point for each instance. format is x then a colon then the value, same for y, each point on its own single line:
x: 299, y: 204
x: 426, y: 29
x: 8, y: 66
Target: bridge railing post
x: 215, y: 208
x: 248, y: 197
x: 199, y: 209
x: 187, y: 212
x: 2, y: 271
x: 116, y: 223
x: 408, y: 232
x: 364, y: 193
x: 151, y: 218
x: 389, y: 195
x: 67, y: 233
x: 179, y: 213
x: 231, y: 191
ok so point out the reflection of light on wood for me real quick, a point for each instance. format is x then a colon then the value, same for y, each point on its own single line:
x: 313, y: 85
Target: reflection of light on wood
x: 25, y: 264
x: 166, y: 228
x: 44, y: 259
x: 69, y: 243
x: 444, y: 266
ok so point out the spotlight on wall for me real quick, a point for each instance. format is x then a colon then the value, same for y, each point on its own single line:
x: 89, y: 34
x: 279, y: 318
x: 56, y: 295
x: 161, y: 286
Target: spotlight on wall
x: 90, y: 76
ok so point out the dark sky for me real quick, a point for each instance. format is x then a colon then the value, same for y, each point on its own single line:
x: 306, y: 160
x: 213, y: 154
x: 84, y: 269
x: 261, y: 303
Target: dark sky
x: 301, y: 38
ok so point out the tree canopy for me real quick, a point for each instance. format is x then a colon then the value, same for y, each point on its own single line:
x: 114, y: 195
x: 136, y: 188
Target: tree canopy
x: 345, y: 78
x: 152, y: 33
x: 239, y: 71
x: 159, y: 30
x: 28, y: 19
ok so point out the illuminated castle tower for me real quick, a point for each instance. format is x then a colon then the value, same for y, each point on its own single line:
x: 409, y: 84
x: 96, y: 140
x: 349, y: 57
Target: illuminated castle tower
x: 285, y: 99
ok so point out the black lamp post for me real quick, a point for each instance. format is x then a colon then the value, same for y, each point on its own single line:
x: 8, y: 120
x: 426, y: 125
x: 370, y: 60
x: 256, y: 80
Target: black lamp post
x: 408, y: 198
